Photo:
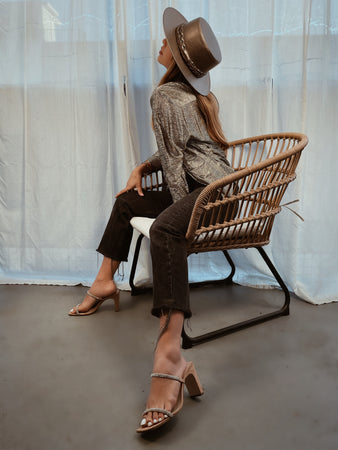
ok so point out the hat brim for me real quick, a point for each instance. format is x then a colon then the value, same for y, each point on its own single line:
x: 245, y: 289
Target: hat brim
x: 171, y: 19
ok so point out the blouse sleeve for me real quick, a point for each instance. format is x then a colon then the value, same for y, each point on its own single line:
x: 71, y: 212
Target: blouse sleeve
x: 172, y: 134
x: 155, y: 161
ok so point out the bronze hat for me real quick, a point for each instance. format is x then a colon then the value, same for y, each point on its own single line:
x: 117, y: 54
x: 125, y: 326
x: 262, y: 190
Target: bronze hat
x: 194, y: 48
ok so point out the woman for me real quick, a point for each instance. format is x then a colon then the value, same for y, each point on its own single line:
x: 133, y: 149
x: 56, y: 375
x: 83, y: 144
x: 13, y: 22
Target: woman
x: 190, y: 151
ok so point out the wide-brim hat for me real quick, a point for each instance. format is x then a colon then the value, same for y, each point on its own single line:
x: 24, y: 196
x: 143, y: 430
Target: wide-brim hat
x: 194, y: 48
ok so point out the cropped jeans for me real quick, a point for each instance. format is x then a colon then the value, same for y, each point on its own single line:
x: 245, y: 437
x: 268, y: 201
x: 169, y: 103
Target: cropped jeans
x: 168, y: 245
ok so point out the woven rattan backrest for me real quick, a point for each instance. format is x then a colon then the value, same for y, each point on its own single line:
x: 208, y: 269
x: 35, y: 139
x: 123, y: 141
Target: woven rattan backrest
x: 238, y: 211
x: 248, y: 152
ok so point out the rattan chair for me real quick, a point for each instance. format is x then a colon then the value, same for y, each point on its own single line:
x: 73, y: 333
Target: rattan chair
x: 237, y: 211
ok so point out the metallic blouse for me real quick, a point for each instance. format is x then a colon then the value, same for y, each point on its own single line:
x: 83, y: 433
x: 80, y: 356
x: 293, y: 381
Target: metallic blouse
x: 184, y: 145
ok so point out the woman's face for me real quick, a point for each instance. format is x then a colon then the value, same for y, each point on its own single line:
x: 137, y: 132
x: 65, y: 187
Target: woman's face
x: 165, y: 56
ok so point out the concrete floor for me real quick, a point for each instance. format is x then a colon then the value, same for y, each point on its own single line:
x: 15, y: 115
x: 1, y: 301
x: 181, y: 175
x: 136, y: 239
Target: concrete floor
x: 82, y: 382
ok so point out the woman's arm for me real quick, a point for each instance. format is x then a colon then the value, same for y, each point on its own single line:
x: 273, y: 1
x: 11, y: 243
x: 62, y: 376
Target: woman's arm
x: 135, y: 179
x: 171, y: 134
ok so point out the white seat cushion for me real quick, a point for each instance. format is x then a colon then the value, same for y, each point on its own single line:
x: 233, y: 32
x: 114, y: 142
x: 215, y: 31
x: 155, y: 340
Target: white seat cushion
x: 142, y: 224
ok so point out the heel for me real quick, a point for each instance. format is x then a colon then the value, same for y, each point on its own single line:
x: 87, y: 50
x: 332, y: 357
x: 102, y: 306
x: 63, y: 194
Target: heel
x: 116, y: 298
x: 192, y: 381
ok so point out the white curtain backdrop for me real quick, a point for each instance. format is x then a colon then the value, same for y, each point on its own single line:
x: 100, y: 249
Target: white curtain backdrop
x: 75, y: 82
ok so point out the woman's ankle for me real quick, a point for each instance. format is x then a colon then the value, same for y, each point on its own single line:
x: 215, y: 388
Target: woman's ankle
x: 103, y: 280
x: 168, y: 352
x: 103, y: 287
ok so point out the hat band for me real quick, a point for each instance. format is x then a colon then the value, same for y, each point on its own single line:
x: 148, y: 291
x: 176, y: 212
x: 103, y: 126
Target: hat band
x: 184, y: 53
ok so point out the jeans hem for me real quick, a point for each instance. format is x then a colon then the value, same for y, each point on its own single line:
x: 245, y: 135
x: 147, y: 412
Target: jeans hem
x: 158, y: 311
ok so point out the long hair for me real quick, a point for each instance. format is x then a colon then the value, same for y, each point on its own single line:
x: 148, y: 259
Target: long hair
x: 208, y: 105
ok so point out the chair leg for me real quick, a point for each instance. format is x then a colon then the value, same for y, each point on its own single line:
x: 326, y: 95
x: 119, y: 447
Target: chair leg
x: 135, y: 290
x: 285, y: 310
x: 188, y: 341
x: 228, y: 280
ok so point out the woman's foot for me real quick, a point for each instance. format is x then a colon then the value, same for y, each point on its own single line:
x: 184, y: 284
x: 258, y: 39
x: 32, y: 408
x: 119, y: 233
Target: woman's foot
x: 168, y: 360
x: 100, y: 289
x: 163, y: 392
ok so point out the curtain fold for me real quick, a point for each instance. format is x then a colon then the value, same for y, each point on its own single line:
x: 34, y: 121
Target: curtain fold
x: 75, y: 83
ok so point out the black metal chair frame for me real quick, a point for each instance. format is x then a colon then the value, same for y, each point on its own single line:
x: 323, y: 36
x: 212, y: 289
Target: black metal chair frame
x: 190, y: 341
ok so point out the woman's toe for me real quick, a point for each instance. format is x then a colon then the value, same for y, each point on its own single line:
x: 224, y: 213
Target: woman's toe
x: 146, y: 421
x: 150, y: 419
x: 72, y: 312
x: 155, y: 417
x: 143, y: 422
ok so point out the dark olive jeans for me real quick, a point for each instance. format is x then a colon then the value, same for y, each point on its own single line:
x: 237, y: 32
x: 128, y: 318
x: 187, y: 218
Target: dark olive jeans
x: 168, y: 245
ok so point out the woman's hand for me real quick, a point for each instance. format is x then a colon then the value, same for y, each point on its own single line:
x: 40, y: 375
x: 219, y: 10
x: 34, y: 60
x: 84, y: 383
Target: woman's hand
x: 134, y: 181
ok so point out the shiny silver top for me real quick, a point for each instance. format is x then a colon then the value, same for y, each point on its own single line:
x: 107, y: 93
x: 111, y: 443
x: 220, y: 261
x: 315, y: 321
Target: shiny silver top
x: 184, y: 145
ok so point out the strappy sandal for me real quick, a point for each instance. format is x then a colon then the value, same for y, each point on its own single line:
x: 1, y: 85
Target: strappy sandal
x: 99, y: 300
x: 190, y: 379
